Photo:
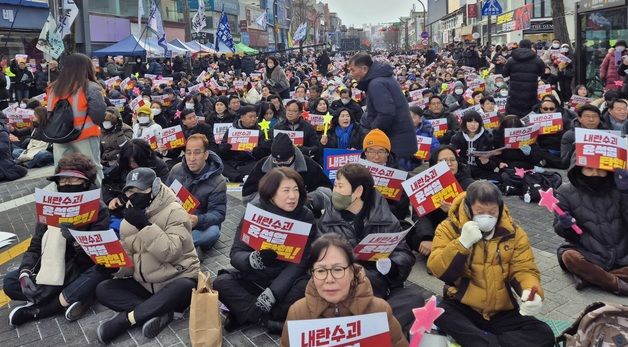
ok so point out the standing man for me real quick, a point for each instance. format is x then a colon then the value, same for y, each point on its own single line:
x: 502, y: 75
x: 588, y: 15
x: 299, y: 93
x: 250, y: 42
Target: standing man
x: 524, y: 68
x: 386, y: 106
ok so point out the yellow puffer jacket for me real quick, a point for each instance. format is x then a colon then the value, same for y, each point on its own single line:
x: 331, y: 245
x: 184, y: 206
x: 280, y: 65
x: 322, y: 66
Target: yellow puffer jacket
x: 481, y: 277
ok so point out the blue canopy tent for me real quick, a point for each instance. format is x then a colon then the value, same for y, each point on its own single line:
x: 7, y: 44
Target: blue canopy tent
x: 129, y: 46
x: 152, y: 42
x: 180, y: 44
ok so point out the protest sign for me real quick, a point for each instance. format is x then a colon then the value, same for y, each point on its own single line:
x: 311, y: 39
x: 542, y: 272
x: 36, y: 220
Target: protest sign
x: 431, y: 187
x: 600, y: 149
x: 417, y: 94
x: 125, y: 84
x: 150, y: 76
x: 424, y: 145
x: 265, y: 230
x: 356, y: 94
x: 42, y: 98
x: 295, y: 136
x: 378, y: 246
x: 173, y: 137
x: 439, y: 125
x: 189, y: 202
x: 577, y: 101
x: 517, y: 137
x: 317, y: 121
x: 255, y: 76
x: 202, y: 77
x: 460, y: 113
x: 137, y: 103
x: 490, y: 120
x: 118, y: 103
x: 112, y: 82
x: 21, y: 117
x: 490, y: 153
x: 543, y: 90
x: 549, y: 123
x: 362, y: 330
x: 220, y: 129
x: 387, y: 180
x: 242, y: 139
x: 164, y: 99
x: 55, y: 208
x: 501, y: 104
x: 103, y: 247
x: 334, y: 159
x: 196, y: 88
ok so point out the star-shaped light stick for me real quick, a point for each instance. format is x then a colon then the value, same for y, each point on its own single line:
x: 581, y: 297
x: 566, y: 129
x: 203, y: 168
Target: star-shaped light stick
x: 619, y: 83
x: 424, y: 318
x: 521, y: 171
x: 305, y: 115
x: 549, y: 201
x: 326, y: 121
x: 265, y: 126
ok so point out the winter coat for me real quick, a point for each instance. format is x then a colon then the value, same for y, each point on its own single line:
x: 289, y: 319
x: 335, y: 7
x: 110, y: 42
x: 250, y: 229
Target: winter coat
x: 360, y: 301
x: 214, y: 118
x: 355, y: 138
x: 209, y: 186
x: 524, y: 67
x: 482, y: 277
x: 248, y: 65
x: 387, y: 109
x: 621, y: 71
x: 609, y: 70
x: 260, y: 151
x: 602, y: 213
x: 376, y: 218
x: 514, y: 157
x: 23, y: 78
x: 114, y: 70
x: 111, y: 141
x: 312, y: 146
x: 116, y: 179
x: 155, y: 68
x: 9, y: 170
x: 145, y: 132
x: 567, y: 142
x: 162, y: 251
x: 552, y: 142
x: 278, y: 80
x: 452, y: 123
x: 354, y: 108
x: 482, y: 141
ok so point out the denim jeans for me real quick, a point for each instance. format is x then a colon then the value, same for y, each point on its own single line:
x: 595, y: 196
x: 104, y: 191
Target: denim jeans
x: 206, y: 238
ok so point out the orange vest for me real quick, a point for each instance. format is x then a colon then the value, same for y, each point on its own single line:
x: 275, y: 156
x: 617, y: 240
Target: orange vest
x: 78, y: 101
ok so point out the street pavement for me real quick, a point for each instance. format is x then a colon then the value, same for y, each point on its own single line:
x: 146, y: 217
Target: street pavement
x: 563, y: 302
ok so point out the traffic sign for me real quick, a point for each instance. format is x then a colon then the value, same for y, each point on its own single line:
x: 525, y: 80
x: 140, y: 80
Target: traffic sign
x: 492, y: 8
x: 425, y: 35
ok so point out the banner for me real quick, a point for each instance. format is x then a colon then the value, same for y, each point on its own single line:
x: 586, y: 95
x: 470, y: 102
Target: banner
x: 103, y: 247
x: 242, y: 139
x: 54, y: 208
x: 297, y: 137
x: 387, y: 180
x: 334, y: 159
x: 490, y: 120
x: 517, y: 137
x: 189, y: 202
x: 118, y: 103
x: 20, y: 117
x: 265, y: 230
x: 173, y: 137
x: 378, y: 246
x: 431, y: 187
x: 361, y: 330
x: 600, y: 149
x: 501, y: 104
x: 425, y: 146
x: 439, y: 125
x: 220, y: 129
x: 50, y: 40
x: 550, y: 123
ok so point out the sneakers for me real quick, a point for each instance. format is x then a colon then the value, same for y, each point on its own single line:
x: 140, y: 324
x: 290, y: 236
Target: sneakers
x: 155, y: 325
x: 113, y: 327
x: 23, y: 314
x: 75, y: 311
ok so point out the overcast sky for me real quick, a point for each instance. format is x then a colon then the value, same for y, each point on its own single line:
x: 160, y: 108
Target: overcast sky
x: 358, y: 12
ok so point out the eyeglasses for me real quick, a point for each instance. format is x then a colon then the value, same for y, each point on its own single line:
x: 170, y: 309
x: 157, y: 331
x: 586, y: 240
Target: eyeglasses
x: 376, y: 151
x: 194, y: 153
x: 548, y: 108
x: 337, y: 272
x: 448, y: 160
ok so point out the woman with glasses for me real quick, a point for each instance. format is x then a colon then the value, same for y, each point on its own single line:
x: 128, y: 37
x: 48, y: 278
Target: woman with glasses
x: 339, y: 287
x: 550, y: 144
x: 262, y: 288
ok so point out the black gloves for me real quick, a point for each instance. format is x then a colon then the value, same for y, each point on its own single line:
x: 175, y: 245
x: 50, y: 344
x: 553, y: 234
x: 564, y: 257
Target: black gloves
x: 566, y: 220
x: 136, y: 217
x: 260, y: 260
x: 65, y: 230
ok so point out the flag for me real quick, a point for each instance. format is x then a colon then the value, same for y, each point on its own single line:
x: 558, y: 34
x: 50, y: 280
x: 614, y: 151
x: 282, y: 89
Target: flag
x: 290, y: 41
x: 69, y: 11
x: 157, y: 25
x: 262, y: 21
x: 299, y: 34
x: 50, y: 40
x: 140, y: 13
x: 198, y: 21
x: 224, y: 33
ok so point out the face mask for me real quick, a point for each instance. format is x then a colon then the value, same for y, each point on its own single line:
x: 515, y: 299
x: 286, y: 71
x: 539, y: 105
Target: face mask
x: 620, y: 48
x: 486, y: 222
x: 345, y: 101
x: 340, y: 202
x: 564, y: 50
x: 107, y: 124
x: 189, y: 105
x: 503, y: 93
x: 141, y: 200
x: 155, y: 111
x: 459, y: 91
x: 143, y: 120
x: 22, y: 105
x: 555, y: 45
x: 71, y: 188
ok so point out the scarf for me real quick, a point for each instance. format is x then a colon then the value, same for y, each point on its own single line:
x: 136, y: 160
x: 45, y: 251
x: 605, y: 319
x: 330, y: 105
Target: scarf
x: 344, y: 136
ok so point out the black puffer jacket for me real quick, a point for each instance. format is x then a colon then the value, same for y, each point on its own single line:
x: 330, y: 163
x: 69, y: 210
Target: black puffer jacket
x: 601, y: 210
x: 452, y: 123
x: 312, y: 146
x: 524, y: 67
x: 552, y: 142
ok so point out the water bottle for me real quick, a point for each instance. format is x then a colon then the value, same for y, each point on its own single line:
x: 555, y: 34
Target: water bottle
x: 526, y: 197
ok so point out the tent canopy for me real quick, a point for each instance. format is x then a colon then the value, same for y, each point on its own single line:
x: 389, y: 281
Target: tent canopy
x: 129, y: 46
x: 241, y: 47
x: 200, y: 47
x: 180, y: 44
x: 152, y: 41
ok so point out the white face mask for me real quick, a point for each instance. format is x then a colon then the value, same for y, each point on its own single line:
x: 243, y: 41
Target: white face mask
x: 107, y: 125
x: 503, y: 93
x: 22, y: 105
x: 459, y: 91
x: 555, y: 45
x: 143, y: 120
x: 564, y: 50
x: 345, y: 101
x: 620, y: 48
x: 155, y: 111
x: 189, y: 105
x: 486, y: 222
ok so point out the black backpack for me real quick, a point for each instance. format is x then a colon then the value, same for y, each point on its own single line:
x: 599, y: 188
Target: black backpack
x: 530, y: 184
x: 58, y: 124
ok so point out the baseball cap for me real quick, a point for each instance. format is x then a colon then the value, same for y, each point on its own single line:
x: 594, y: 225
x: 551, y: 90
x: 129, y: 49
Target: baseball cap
x: 141, y: 178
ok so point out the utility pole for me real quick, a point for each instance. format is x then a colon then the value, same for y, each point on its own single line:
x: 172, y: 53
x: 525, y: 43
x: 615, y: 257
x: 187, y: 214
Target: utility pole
x: 275, y: 25
x: 186, y: 20
x: 488, y: 28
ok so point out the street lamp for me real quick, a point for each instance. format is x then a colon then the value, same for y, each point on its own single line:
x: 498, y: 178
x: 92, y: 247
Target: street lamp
x: 424, y: 15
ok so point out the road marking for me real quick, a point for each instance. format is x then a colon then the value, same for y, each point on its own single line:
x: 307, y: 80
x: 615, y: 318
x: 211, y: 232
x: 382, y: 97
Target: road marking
x: 15, y: 251
x: 4, y: 299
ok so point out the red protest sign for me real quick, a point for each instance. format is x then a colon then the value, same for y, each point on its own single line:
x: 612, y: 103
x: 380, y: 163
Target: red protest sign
x: 431, y: 187
x: 187, y: 200
x: 265, y: 230
x: 501, y: 104
x: 517, y: 137
x: 543, y: 90
x: 242, y: 139
x: 152, y: 140
x: 317, y: 121
x: 172, y: 137
x: 387, y: 180
x: 103, y: 247
x: 577, y: 101
x: 439, y: 125
x: 550, y: 123
x: 490, y: 120
x: 600, y: 149
x: 21, y: 117
x: 297, y: 137
x: 54, y: 208
x: 220, y: 129
x: 378, y: 246
x: 137, y: 103
x: 425, y: 145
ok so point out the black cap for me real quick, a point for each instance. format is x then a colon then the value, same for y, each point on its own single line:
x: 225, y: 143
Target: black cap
x: 141, y: 178
x: 282, y: 148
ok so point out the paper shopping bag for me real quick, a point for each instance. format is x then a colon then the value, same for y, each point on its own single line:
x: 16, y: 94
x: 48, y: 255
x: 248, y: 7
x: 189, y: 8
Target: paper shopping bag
x: 205, y: 322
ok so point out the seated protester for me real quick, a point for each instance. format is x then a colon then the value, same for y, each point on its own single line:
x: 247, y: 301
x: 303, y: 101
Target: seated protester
x: 422, y: 127
x: 471, y: 138
x: 593, y: 201
x: 347, y: 102
x: 115, y: 134
x: 299, y: 93
x: 345, y: 132
x: 145, y: 127
x: 338, y: 288
x: 550, y: 144
x: 21, y: 136
x: 38, y: 153
x: 267, y: 112
x: 359, y: 210
x: 589, y: 117
x: 265, y: 93
x: 437, y: 110
x: 295, y: 122
x: 510, y: 158
x: 263, y: 288
x: 9, y: 170
x: 191, y: 102
x: 251, y: 95
x: 190, y: 126
x: 488, y: 104
x: 234, y: 104
x: 477, y: 97
x: 160, y: 117
x: 238, y: 164
x: 171, y: 111
x: 479, y: 306
x: 313, y: 96
x: 582, y: 90
x: 322, y: 107
x: 277, y: 106
x: 200, y: 172
x: 206, y: 104
x: 614, y: 118
x: 156, y: 234
x: 421, y: 236
x: 377, y: 149
x: 74, y: 173
x: 220, y: 114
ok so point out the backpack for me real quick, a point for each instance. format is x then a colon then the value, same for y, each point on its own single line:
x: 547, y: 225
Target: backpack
x: 600, y: 324
x: 58, y: 124
x: 531, y: 183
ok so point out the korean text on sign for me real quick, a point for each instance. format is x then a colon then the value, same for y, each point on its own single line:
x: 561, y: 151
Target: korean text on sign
x: 361, y: 330
x: 103, y: 247
x: 387, y: 180
x: 550, y: 123
x: 297, y: 137
x: 265, y: 230
x: 220, y: 129
x: 55, y: 208
x: 377, y: 246
x: 490, y: 120
x: 317, y: 121
x: 430, y: 188
x: 600, y: 149
x: 242, y: 139
x: 424, y: 145
x: 517, y: 137
x: 440, y: 126
x: 334, y: 159
x: 187, y: 200
x: 173, y: 137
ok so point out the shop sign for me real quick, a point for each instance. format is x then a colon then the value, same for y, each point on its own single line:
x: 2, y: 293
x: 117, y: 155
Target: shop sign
x: 592, y: 5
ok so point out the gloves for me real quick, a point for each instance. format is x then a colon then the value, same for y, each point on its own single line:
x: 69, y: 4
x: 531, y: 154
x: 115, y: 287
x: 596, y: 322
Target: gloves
x: 530, y: 307
x: 266, y: 300
x: 260, y: 260
x: 526, y: 150
x: 566, y: 220
x: 28, y: 286
x: 65, y: 230
x: 621, y: 179
x: 136, y: 217
x: 470, y: 234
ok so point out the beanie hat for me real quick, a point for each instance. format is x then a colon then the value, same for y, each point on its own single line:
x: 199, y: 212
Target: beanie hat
x: 146, y: 110
x: 282, y: 148
x: 376, y: 137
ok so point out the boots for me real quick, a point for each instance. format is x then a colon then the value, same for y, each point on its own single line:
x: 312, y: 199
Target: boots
x: 113, y: 327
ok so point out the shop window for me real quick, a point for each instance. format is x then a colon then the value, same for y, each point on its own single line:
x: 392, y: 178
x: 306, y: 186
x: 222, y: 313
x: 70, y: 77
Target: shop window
x: 541, y: 8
